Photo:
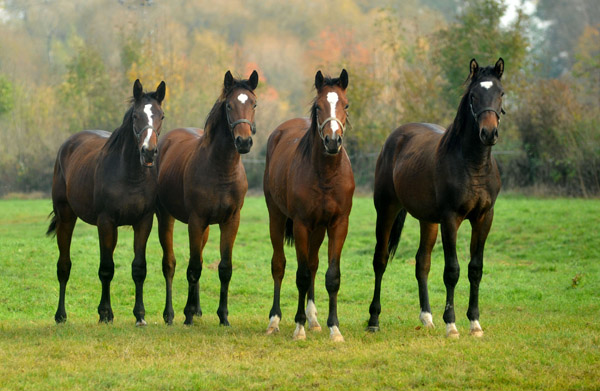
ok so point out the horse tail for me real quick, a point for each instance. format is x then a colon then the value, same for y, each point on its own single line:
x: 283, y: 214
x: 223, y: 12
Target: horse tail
x: 52, y: 227
x: 396, y: 232
x: 289, y: 232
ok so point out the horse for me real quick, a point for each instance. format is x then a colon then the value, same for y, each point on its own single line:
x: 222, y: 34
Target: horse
x: 202, y: 181
x: 308, y: 186
x: 441, y: 177
x: 109, y: 180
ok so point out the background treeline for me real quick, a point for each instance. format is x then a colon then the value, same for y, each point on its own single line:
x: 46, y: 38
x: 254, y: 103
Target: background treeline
x: 69, y: 65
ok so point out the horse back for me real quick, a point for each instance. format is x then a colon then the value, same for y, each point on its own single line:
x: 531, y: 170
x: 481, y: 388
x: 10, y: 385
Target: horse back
x: 74, y: 170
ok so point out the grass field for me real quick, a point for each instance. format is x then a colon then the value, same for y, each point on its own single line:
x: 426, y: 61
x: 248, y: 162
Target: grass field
x: 540, y: 310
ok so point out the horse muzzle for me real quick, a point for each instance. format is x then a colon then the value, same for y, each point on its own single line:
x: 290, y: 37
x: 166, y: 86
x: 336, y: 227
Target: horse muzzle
x: 487, y: 136
x: 148, y: 156
x: 243, y: 145
x: 333, y: 144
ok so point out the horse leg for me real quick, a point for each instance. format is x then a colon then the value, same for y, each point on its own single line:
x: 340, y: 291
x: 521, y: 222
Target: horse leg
x: 315, y: 241
x: 451, y: 271
x: 479, y: 232
x: 228, y: 234
x: 165, y: 236
x: 423, y: 264
x: 301, y: 235
x: 386, y: 216
x: 198, y: 235
x: 65, y: 223
x: 107, y: 233
x: 337, y: 236
x: 138, y: 267
x: 277, y: 232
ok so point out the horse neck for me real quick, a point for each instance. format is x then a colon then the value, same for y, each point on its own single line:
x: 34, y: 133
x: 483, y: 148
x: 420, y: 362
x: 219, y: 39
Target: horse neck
x: 462, y: 139
x: 123, y: 143
x: 325, y: 165
x: 220, y: 144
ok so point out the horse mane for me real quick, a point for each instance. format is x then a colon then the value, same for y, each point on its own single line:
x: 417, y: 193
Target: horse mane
x: 119, y: 135
x: 216, y: 114
x: 452, y: 136
x: 305, y: 145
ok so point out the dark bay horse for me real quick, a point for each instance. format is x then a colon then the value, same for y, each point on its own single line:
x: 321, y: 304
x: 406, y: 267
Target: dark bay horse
x: 202, y: 181
x: 441, y: 177
x: 109, y: 180
x: 308, y: 185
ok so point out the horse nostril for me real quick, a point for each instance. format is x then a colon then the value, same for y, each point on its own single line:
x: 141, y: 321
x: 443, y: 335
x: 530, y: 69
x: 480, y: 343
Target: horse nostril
x: 238, y: 140
x: 495, y: 132
x: 326, y: 139
x: 250, y: 142
x: 339, y: 141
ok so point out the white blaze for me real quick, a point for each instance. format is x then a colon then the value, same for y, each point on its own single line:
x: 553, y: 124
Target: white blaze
x: 148, y: 111
x: 486, y: 84
x: 332, y: 98
x: 243, y: 98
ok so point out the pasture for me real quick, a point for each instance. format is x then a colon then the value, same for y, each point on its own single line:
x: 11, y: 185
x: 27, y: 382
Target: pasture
x: 539, y: 301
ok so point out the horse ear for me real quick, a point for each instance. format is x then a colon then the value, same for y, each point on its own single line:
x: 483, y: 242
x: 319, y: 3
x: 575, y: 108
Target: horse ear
x: 160, y: 92
x: 228, y: 82
x: 474, y: 68
x: 138, y: 90
x: 253, y: 80
x: 319, y: 80
x: 499, y: 67
x: 344, y: 79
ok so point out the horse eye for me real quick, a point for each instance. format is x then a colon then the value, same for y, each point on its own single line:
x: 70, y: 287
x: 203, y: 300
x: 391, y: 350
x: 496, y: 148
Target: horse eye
x: 254, y: 107
x: 346, y: 107
x: 228, y: 106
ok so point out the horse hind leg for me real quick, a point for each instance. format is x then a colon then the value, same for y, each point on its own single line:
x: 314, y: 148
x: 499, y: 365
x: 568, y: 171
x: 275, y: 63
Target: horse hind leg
x: 302, y: 278
x: 316, y: 239
x: 63, y: 223
x: 198, y: 236
x: 108, y: 235
x: 390, y: 221
x: 165, y: 236
x: 228, y: 233
x: 423, y: 265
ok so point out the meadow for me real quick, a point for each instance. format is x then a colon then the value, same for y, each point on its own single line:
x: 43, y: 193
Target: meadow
x: 539, y: 301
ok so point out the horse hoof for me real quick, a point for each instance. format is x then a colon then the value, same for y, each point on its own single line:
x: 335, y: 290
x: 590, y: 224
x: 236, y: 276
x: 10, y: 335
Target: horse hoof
x: 372, y: 329
x: 316, y: 328
x: 476, y: 330
x: 141, y: 323
x: 451, y: 331
x: 225, y: 323
x: 299, y: 333
x: 60, y: 318
x: 335, y: 334
x: 427, y: 320
x: 272, y: 330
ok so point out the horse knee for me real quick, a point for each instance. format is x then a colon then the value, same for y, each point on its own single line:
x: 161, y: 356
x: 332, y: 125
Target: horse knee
x: 451, y: 274
x: 194, y: 271
x: 475, y: 273
x: 63, y: 269
x: 303, y: 279
x: 138, y: 271
x: 106, y: 271
x: 332, y: 279
x: 225, y: 271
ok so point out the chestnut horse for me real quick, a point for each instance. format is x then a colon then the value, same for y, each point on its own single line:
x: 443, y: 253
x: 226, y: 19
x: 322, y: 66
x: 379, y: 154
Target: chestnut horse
x: 441, y: 177
x: 109, y: 180
x: 202, y: 181
x: 308, y: 185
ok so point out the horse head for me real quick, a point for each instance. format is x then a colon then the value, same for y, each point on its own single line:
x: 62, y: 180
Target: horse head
x: 485, y: 99
x: 240, y: 105
x: 147, y: 117
x: 330, y: 110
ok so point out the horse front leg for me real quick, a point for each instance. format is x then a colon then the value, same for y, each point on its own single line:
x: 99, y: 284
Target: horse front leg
x: 479, y: 232
x: 301, y: 234
x: 108, y: 234
x: 198, y: 235
x: 315, y: 241
x: 228, y: 234
x: 165, y: 236
x: 277, y: 221
x: 141, y: 232
x: 337, y: 236
x: 451, y: 271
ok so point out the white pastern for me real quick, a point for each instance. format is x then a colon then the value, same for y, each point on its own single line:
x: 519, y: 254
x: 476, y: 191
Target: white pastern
x: 311, y: 315
x: 451, y: 330
x: 299, y: 333
x: 332, y: 98
x: 426, y: 319
x: 476, y: 330
x: 486, y: 84
x: 242, y: 98
x: 273, y: 324
x: 335, y: 335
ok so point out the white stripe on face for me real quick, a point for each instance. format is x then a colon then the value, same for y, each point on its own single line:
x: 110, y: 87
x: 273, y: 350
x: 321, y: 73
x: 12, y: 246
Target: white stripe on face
x: 148, y: 111
x: 243, y: 98
x: 332, y: 98
x: 486, y: 84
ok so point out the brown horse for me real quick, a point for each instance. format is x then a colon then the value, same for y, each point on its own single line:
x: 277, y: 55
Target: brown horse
x: 109, y: 180
x: 202, y: 181
x: 441, y: 177
x: 308, y: 185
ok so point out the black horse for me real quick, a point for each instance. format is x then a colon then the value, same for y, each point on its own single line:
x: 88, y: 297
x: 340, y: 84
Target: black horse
x: 441, y: 177
x: 109, y: 180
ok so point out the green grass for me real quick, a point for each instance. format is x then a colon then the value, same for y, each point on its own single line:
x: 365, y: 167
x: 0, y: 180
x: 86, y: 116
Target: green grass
x: 540, y: 310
